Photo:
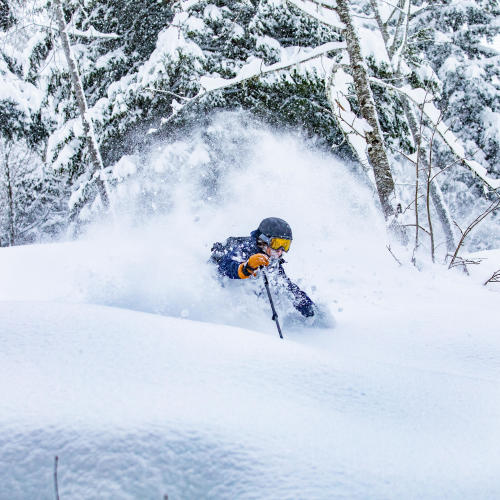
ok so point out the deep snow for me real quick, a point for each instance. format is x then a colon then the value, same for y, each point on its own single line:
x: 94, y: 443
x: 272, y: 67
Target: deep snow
x: 123, y: 355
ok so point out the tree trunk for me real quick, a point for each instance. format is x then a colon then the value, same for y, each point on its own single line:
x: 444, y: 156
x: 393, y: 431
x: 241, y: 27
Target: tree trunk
x: 95, y: 155
x: 396, y: 41
x: 11, y: 236
x: 382, y: 27
x: 374, y: 139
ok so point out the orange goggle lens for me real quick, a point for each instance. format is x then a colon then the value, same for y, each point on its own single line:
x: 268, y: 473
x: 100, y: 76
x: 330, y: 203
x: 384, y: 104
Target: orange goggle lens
x: 277, y: 243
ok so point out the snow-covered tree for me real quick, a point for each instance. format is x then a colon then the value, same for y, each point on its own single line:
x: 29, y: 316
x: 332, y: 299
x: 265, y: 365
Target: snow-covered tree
x: 459, y: 47
x: 32, y: 200
x: 32, y: 197
x: 448, y: 51
x: 166, y: 66
x: 95, y: 173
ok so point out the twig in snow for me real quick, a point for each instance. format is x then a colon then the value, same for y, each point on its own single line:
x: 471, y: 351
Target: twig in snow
x: 392, y: 253
x: 459, y: 261
x: 428, y: 194
x: 342, y: 119
x: 492, y: 208
x: 495, y: 278
x: 56, y: 487
x: 395, y: 7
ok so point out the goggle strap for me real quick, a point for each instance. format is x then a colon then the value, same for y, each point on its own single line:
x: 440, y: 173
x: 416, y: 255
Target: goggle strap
x: 265, y: 239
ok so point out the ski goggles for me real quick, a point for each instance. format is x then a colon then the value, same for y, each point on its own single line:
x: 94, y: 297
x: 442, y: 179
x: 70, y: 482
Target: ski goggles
x: 277, y: 243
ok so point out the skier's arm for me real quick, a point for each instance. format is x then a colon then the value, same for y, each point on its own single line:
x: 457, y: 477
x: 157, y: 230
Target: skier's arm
x: 231, y: 266
x: 228, y: 266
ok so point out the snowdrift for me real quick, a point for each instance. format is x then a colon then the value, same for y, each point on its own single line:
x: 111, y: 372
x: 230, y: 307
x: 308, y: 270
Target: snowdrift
x: 139, y: 405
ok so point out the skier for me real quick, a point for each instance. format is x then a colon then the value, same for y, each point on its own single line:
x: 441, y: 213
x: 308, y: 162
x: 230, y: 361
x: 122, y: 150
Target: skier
x: 242, y: 257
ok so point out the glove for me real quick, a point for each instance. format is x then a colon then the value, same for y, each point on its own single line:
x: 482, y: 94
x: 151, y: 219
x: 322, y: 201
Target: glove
x: 250, y: 267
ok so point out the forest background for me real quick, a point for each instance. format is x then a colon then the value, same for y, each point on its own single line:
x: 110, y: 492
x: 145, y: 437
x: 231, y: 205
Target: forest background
x: 404, y: 92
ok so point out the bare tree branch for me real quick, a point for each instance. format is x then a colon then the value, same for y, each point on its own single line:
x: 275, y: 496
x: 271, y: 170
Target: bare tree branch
x: 494, y: 278
x: 492, y: 208
x: 392, y: 253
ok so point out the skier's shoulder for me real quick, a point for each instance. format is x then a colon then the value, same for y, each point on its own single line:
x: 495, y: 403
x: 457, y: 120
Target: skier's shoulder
x: 232, y: 245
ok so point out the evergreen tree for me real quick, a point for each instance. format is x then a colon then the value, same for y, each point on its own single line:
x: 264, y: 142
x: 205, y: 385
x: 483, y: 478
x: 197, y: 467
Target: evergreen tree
x: 32, y: 197
x: 458, y: 46
x: 168, y: 65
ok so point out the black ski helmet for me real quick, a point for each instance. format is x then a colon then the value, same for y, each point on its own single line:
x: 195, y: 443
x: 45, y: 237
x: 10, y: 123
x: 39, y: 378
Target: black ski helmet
x: 273, y: 227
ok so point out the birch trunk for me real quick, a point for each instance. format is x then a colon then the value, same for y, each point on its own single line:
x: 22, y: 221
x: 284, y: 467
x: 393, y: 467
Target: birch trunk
x: 401, y: 17
x: 11, y: 236
x: 381, y: 25
x: 95, y: 155
x: 376, y: 151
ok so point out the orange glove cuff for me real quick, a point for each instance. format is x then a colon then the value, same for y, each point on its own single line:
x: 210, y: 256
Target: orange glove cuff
x: 241, y: 273
x: 250, y: 267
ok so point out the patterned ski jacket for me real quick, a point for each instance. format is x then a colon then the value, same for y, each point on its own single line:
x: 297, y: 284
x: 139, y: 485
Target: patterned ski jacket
x: 241, y: 250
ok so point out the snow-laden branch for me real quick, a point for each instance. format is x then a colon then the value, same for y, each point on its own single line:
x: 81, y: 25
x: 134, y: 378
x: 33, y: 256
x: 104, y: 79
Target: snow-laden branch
x: 421, y: 98
x: 185, y: 5
x: 90, y: 32
x: 330, y: 4
x: 324, y: 15
x: 353, y: 127
x: 254, y: 69
x: 395, y: 7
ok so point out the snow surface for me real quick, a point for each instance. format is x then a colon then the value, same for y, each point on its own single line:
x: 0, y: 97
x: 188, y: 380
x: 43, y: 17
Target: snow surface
x: 122, y: 354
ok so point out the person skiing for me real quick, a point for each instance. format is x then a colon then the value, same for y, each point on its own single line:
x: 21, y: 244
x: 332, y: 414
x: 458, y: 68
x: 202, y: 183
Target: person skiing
x: 242, y: 257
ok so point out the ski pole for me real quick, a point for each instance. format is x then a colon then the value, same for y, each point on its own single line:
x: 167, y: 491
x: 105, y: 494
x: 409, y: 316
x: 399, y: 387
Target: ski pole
x: 275, y: 314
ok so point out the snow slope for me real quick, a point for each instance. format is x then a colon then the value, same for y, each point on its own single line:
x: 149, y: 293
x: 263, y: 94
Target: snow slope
x: 138, y: 405
x: 122, y: 354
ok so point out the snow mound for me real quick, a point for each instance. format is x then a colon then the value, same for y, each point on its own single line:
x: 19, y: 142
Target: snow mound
x: 138, y: 406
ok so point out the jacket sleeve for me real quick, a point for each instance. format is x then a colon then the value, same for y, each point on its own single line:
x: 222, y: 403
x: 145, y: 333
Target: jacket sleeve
x: 300, y: 300
x: 228, y: 266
